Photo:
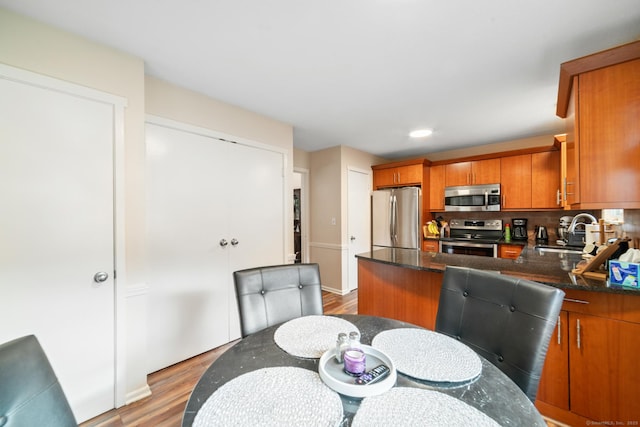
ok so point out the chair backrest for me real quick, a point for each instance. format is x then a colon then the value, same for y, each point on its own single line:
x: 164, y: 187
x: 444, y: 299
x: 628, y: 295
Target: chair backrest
x: 508, y: 321
x: 270, y: 295
x: 30, y: 394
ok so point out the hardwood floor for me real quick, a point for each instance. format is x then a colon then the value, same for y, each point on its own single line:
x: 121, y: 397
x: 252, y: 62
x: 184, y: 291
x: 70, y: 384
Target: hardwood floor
x: 171, y: 387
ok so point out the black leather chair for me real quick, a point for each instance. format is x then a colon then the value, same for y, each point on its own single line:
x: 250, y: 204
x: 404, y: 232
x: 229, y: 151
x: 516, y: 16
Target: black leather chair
x: 270, y: 295
x: 30, y: 394
x: 508, y: 321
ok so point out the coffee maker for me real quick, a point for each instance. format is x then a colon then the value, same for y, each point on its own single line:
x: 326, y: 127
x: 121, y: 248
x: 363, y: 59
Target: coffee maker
x: 519, y: 229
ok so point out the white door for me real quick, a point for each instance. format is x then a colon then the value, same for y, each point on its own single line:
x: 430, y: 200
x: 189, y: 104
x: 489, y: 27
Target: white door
x: 256, y: 203
x: 57, y: 231
x: 213, y: 207
x: 359, y: 220
x: 187, y: 217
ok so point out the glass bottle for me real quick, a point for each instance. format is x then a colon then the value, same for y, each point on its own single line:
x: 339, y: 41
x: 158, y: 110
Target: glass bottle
x: 341, y: 345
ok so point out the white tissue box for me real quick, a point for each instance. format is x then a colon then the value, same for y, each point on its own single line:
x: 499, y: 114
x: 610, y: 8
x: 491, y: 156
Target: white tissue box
x: 624, y: 274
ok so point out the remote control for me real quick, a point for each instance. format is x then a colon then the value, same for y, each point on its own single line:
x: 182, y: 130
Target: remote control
x: 374, y: 375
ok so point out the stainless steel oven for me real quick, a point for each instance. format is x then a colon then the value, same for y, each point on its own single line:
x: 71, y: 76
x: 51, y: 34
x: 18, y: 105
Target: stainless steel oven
x: 469, y: 248
x: 473, y: 237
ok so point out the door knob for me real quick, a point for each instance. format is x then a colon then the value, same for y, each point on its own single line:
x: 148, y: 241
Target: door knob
x: 234, y: 242
x: 223, y: 243
x: 353, y: 238
x: 100, y: 277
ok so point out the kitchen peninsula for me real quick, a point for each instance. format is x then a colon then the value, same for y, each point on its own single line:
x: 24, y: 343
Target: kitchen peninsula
x: 595, y: 343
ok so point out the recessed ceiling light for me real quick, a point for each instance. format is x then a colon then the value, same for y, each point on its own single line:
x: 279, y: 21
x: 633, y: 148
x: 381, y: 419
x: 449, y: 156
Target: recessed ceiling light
x: 420, y: 133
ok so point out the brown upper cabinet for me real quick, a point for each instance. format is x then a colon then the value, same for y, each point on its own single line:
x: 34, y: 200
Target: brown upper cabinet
x: 473, y: 172
x: 398, y: 176
x: 515, y: 180
x: 436, y: 188
x: 600, y: 96
x: 531, y: 181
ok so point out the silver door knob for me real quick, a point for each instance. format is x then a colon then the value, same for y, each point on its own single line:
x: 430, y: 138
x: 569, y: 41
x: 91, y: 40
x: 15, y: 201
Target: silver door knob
x: 234, y: 242
x: 223, y: 243
x: 100, y: 277
x: 353, y: 238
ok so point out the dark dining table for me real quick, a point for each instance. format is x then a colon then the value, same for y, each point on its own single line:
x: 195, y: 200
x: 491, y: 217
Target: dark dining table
x: 492, y: 393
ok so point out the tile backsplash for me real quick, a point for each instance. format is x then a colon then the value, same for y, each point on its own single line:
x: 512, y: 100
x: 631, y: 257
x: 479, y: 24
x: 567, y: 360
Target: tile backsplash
x: 550, y: 219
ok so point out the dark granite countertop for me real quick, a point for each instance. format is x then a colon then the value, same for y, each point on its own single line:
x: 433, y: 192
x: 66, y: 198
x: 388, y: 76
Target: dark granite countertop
x: 550, y: 268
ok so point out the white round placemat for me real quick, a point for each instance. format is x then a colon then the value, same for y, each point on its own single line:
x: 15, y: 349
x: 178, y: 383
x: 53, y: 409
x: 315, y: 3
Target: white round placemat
x: 428, y: 355
x: 283, y: 396
x: 311, y: 336
x: 406, y: 406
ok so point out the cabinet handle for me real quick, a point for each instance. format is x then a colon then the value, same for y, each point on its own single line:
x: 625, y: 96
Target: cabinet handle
x: 567, y: 184
x: 559, y: 328
x: 578, y: 332
x: 579, y: 301
x: 398, y: 177
x: 558, y: 197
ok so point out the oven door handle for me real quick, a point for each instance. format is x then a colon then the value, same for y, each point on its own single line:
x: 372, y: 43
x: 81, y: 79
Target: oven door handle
x: 486, y: 200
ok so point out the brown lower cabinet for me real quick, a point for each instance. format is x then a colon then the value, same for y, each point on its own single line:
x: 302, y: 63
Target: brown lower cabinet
x: 591, y: 371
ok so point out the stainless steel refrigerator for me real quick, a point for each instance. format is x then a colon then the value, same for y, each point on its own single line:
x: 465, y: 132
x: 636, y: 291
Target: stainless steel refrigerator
x: 396, y: 218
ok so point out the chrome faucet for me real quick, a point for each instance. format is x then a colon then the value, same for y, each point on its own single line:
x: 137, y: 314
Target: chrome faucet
x: 574, y: 222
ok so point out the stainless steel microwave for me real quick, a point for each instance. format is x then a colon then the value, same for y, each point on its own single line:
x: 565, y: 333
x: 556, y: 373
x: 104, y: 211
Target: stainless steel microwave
x: 472, y: 198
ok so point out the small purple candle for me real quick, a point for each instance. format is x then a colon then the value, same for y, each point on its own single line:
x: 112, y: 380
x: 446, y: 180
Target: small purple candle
x: 354, y: 362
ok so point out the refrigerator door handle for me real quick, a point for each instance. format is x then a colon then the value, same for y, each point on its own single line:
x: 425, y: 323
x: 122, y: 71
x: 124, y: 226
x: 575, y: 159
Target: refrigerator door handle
x: 394, y: 219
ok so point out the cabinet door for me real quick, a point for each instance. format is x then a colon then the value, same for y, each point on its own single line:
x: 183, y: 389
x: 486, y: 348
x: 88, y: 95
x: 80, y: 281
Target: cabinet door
x: 409, y: 175
x: 436, y: 188
x: 545, y: 180
x: 604, y: 368
x: 486, y: 171
x: 515, y: 180
x: 554, y: 383
x: 608, y: 111
x: 384, y: 178
x: 458, y: 173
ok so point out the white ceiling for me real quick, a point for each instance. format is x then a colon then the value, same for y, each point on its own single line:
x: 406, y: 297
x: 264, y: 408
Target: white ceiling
x: 363, y: 73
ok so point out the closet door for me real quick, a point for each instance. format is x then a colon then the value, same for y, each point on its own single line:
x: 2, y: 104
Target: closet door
x: 187, y: 217
x: 213, y: 207
x: 257, y: 215
x: 57, y: 232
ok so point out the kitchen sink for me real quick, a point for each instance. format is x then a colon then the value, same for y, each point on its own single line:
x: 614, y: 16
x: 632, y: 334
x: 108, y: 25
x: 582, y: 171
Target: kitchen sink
x: 558, y: 249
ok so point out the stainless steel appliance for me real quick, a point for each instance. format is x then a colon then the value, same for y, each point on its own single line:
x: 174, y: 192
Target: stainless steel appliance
x: 563, y: 229
x: 473, y: 237
x: 396, y: 218
x: 542, y: 236
x: 519, y: 229
x: 470, y: 198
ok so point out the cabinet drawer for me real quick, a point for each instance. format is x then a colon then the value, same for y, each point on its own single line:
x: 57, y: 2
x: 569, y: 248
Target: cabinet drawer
x: 430, y: 246
x: 509, y: 251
